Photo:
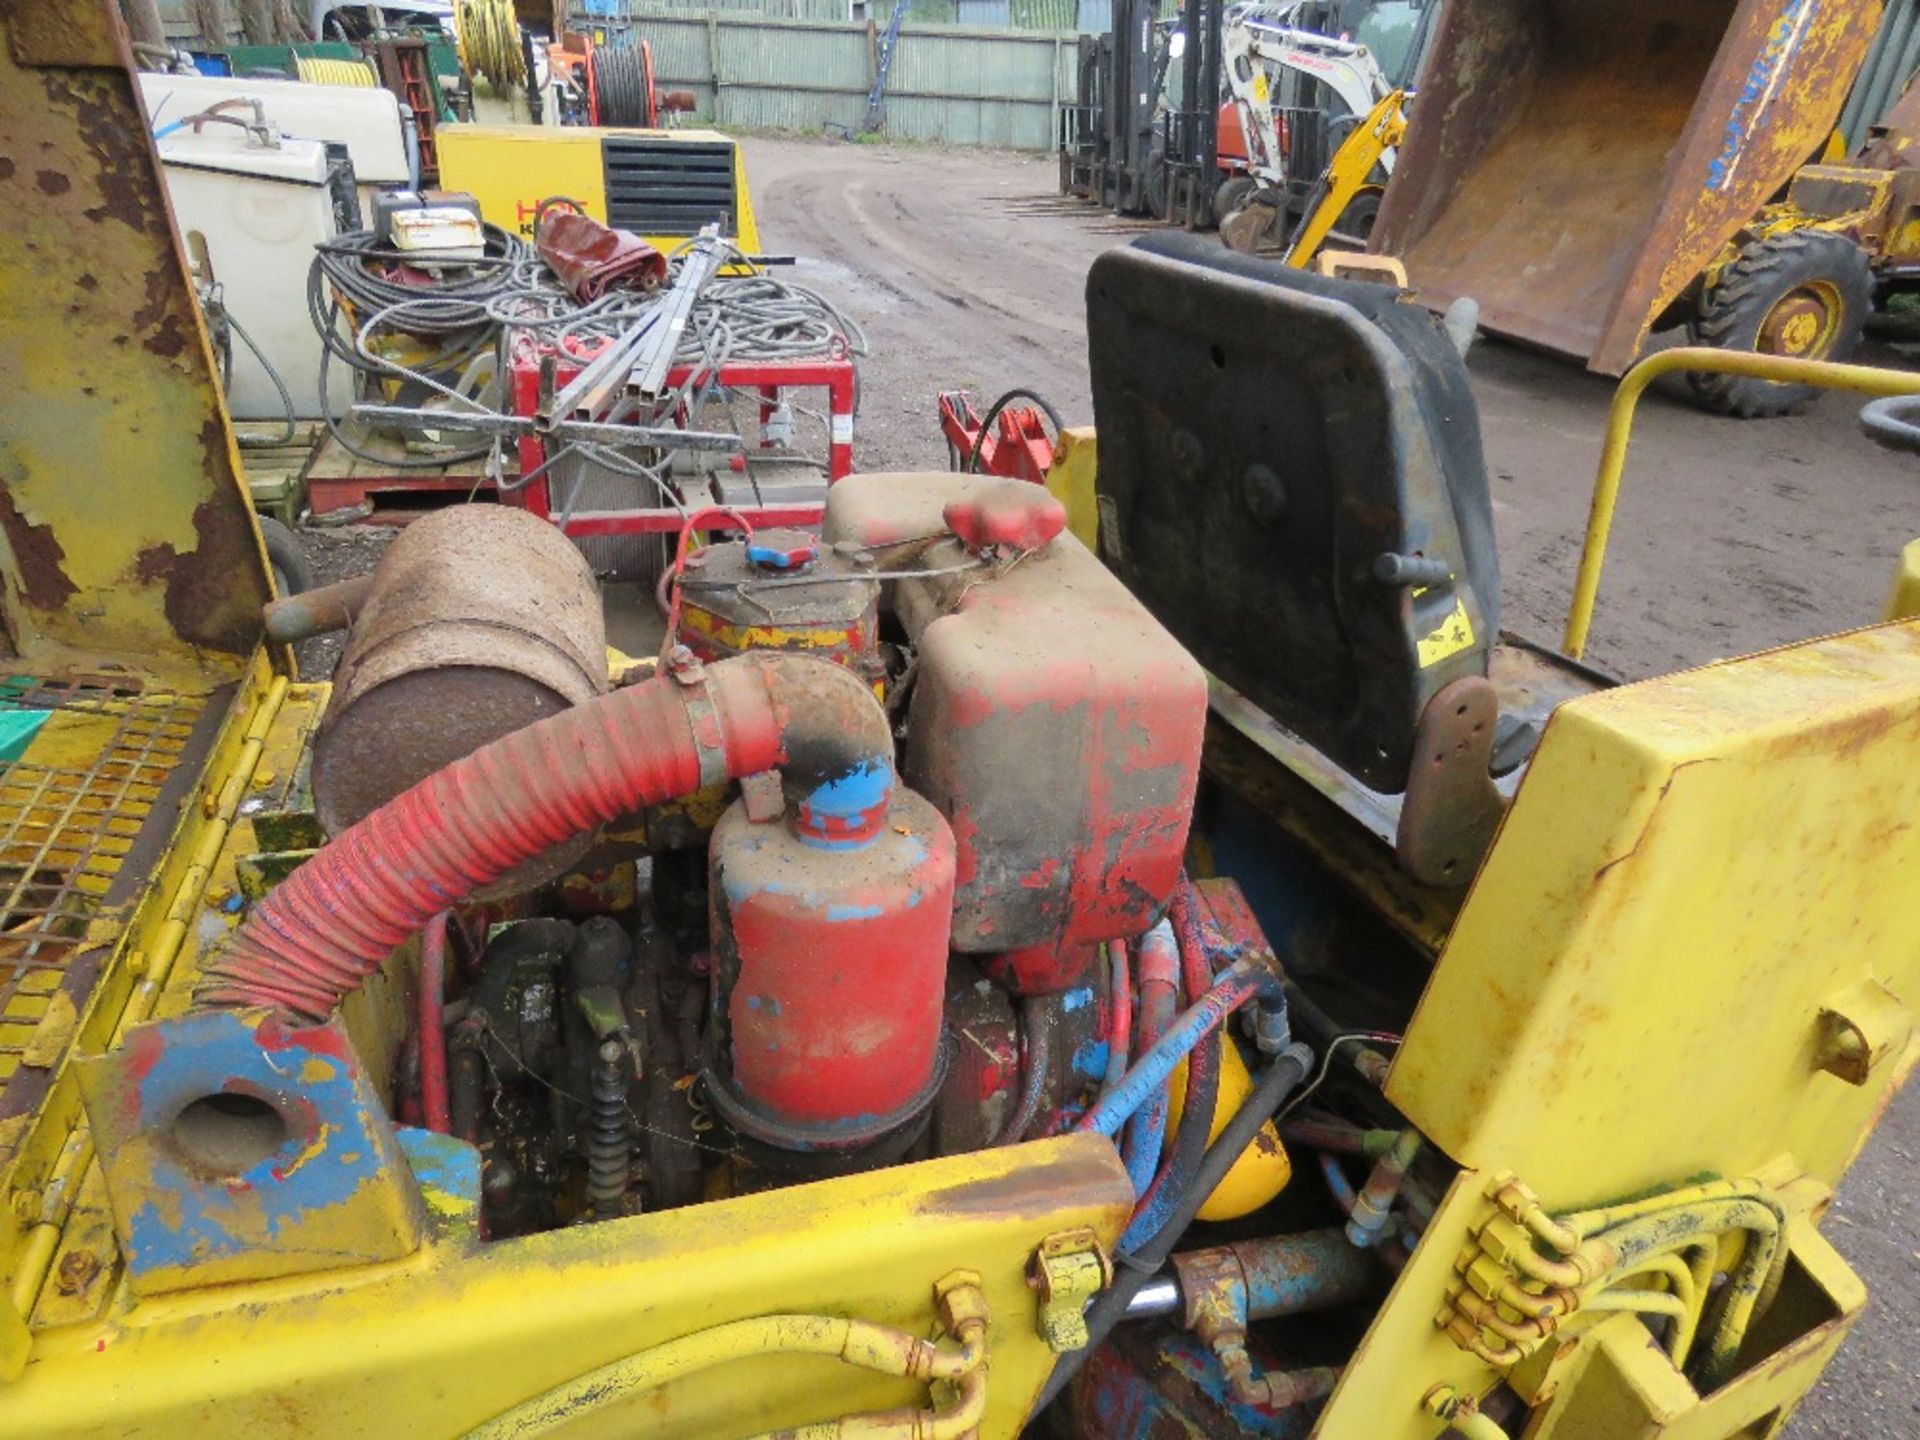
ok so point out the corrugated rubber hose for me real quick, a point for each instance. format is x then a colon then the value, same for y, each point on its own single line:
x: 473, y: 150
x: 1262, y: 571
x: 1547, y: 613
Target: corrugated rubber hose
x: 331, y: 923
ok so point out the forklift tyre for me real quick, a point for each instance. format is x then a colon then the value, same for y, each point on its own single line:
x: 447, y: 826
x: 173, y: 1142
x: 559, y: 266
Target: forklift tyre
x: 1803, y: 293
x: 292, y: 571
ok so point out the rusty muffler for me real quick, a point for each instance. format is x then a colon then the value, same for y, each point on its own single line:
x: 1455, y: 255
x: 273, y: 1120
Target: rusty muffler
x: 479, y: 621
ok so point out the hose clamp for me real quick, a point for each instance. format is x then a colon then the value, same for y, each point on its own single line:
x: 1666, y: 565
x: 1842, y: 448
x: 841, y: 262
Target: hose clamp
x: 703, y: 716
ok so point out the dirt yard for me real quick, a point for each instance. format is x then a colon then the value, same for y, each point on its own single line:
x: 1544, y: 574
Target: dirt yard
x: 1731, y: 535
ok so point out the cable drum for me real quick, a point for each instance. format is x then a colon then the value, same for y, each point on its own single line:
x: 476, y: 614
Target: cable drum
x: 355, y: 74
x: 489, y: 40
x: 623, y: 83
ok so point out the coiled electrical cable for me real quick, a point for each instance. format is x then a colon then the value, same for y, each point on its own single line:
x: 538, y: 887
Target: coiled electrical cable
x: 489, y: 41
x: 622, y: 83
x: 479, y: 308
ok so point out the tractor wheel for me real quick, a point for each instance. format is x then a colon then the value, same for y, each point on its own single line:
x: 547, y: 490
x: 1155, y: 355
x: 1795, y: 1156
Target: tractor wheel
x: 1356, y: 221
x: 1805, y: 294
x: 1232, y: 194
x: 292, y: 571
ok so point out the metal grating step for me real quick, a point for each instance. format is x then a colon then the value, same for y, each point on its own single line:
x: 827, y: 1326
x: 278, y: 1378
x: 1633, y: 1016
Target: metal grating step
x: 74, y: 813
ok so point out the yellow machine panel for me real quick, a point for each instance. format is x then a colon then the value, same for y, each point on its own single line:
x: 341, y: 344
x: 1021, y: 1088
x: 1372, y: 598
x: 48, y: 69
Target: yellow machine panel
x: 662, y: 185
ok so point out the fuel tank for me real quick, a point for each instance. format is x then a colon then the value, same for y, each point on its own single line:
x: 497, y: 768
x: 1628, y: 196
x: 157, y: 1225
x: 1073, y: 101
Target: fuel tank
x: 1053, y: 721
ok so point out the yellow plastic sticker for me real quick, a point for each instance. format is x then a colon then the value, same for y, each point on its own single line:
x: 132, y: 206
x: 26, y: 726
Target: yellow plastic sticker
x: 1259, y: 87
x: 1454, y: 634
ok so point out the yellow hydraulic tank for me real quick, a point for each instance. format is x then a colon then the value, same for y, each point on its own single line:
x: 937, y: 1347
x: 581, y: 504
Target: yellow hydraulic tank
x: 662, y: 185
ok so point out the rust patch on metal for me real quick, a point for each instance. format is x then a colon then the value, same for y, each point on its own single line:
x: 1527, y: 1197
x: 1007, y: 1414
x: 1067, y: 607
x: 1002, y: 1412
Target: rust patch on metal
x: 38, y: 558
x: 130, y: 190
x: 52, y: 182
x: 202, y: 603
x: 1086, y: 1176
x: 6, y: 168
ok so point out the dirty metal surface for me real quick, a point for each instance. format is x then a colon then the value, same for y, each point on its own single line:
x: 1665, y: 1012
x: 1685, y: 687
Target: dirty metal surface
x: 84, y: 814
x: 829, y: 975
x: 1057, y: 724
x: 125, y: 522
x: 1573, y: 167
x: 482, y: 620
x: 238, y: 1147
x: 1733, y: 839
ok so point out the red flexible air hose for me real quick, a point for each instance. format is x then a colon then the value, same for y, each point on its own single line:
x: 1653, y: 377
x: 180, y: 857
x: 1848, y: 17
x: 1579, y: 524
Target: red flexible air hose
x: 331, y: 923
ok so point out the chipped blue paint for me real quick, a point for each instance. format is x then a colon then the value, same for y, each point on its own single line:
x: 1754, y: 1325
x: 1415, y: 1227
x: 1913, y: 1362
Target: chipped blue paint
x: 1762, y: 83
x: 1077, y: 999
x: 837, y: 913
x: 1090, y: 1060
x: 331, y: 1149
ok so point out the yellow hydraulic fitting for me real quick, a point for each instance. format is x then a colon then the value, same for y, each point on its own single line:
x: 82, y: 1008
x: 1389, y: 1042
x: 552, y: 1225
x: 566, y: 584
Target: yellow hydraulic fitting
x: 1068, y: 1270
x: 1462, y: 1412
x: 1521, y: 1205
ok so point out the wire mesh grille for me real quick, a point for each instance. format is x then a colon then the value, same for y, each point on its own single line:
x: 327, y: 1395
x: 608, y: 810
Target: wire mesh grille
x: 71, y: 807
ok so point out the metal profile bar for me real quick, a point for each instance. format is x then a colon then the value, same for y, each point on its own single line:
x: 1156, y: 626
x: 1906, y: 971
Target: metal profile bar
x: 513, y: 426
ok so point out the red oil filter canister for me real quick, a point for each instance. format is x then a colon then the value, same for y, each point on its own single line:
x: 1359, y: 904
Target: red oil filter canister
x: 830, y: 930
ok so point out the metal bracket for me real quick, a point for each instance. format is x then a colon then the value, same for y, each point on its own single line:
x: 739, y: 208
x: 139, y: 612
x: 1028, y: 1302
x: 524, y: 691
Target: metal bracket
x: 1451, y: 807
x: 1067, y: 1271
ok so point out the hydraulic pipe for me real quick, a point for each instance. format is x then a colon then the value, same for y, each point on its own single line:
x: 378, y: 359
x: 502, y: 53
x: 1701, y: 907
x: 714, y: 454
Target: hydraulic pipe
x: 434, y: 1103
x: 1190, y: 1136
x: 331, y: 923
x: 856, y: 1342
x: 1119, y: 1015
x: 1279, y: 1080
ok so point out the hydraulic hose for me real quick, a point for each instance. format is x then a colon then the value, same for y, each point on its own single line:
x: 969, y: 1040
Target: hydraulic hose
x: 1159, y: 982
x: 1238, y: 983
x: 331, y: 923
x: 857, y: 1342
x: 1036, y: 1027
x: 1119, y: 1015
x: 1279, y: 1080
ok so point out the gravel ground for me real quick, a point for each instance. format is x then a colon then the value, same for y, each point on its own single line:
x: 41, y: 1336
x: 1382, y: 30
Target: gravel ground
x: 1732, y: 536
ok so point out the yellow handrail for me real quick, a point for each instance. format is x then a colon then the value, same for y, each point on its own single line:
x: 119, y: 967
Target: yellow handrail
x: 1865, y: 379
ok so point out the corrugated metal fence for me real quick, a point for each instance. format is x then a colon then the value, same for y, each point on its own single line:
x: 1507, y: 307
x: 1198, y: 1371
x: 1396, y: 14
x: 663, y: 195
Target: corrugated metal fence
x: 1890, y: 64
x: 956, y: 86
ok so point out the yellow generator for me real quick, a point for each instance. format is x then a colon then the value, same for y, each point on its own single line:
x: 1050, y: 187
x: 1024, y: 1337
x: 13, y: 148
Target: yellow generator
x: 662, y: 185
x: 1218, y: 983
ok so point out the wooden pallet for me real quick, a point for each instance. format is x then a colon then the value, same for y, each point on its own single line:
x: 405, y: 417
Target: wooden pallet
x: 318, y: 476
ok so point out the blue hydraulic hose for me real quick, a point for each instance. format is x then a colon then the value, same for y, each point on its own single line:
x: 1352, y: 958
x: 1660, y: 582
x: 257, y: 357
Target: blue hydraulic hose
x: 1238, y: 983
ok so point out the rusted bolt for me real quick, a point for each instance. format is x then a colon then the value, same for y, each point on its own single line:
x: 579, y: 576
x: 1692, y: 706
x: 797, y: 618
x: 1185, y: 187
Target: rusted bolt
x: 77, y: 1271
x: 26, y: 1205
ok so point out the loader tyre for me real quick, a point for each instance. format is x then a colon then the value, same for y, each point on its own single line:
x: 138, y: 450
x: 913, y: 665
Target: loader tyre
x: 1804, y: 293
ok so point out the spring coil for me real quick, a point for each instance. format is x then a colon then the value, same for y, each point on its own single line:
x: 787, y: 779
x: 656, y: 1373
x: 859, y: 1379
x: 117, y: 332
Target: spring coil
x: 609, y: 1139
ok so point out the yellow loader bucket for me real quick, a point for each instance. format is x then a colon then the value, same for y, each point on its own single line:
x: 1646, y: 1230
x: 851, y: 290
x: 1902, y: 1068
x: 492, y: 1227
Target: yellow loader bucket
x: 1574, y: 166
